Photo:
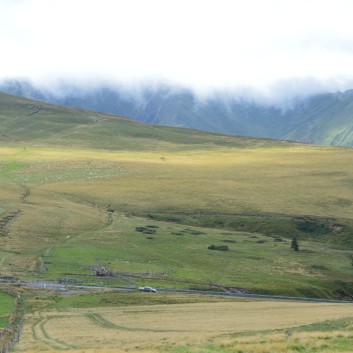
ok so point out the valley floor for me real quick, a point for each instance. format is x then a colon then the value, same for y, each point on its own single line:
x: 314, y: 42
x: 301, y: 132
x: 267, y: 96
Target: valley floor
x: 88, y: 198
x: 238, y: 326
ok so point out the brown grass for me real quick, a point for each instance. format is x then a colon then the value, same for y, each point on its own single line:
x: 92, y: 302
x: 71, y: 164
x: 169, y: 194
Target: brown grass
x: 153, y: 328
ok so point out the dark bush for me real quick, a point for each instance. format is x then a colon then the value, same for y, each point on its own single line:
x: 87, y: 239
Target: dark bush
x: 218, y: 247
x: 177, y: 233
x: 313, y: 226
x: 193, y: 232
x: 197, y: 232
x: 294, y: 244
x: 145, y: 230
x: 278, y: 239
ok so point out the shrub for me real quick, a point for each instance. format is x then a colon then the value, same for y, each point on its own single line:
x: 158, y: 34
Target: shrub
x: 294, y: 244
x: 145, y: 230
x: 177, y: 233
x: 193, y: 231
x: 308, y: 225
x: 278, y: 239
x: 219, y: 247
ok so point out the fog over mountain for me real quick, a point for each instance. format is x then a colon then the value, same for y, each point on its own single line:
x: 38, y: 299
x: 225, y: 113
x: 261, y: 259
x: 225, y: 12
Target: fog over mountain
x: 259, y: 68
x: 272, y: 49
x: 324, y: 118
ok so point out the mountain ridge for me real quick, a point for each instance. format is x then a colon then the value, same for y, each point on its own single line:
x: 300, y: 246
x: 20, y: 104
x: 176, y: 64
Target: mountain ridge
x: 30, y: 121
x: 320, y: 119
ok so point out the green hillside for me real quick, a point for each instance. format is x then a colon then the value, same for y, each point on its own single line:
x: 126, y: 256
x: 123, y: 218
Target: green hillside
x: 80, y: 189
x: 29, y: 121
x: 323, y: 119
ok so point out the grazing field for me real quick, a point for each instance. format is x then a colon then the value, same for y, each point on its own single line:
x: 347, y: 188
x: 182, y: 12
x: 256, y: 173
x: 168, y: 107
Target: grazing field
x: 81, y: 190
x: 89, y: 198
x: 6, y: 307
x: 151, y: 220
x: 223, y: 326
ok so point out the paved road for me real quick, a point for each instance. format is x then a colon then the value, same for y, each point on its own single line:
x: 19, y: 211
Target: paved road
x: 63, y: 287
x: 257, y: 296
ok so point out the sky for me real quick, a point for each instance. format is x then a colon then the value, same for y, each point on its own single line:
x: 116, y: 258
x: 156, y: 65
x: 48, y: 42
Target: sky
x: 268, y: 46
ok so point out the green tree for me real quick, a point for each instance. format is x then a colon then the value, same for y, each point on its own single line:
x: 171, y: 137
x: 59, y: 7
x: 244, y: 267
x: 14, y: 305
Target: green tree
x: 294, y: 245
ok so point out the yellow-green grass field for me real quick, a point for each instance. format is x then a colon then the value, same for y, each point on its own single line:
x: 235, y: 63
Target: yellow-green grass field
x: 252, y: 200
x: 218, y: 325
x: 80, y: 189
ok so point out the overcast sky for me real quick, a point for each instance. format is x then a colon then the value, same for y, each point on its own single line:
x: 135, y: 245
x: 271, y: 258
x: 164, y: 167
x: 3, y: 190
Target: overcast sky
x: 206, y: 44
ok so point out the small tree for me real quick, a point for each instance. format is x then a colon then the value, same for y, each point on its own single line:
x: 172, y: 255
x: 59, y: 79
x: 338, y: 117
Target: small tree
x: 294, y: 245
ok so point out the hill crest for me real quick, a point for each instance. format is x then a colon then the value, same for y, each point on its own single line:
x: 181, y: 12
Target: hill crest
x: 320, y: 119
x: 30, y: 121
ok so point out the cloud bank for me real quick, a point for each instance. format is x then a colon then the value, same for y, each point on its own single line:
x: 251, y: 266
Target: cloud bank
x: 272, y: 47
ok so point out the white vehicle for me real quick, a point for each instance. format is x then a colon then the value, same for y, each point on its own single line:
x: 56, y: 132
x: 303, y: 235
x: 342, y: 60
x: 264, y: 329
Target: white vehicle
x: 147, y: 289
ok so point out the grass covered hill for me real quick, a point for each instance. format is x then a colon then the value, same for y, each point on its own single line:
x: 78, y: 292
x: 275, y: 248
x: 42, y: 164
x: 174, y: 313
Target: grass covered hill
x: 323, y: 119
x: 24, y: 120
x: 80, y: 189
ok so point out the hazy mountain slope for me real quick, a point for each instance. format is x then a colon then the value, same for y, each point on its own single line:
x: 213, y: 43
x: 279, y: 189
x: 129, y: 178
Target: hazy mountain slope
x: 321, y: 119
x: 327, y: 119
x: 166, y: 106
x: 36, y: 122
x: 180, y: 107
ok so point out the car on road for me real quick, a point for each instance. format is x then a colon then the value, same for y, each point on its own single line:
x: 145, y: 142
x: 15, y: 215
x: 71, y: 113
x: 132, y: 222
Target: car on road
x: 147, y: 289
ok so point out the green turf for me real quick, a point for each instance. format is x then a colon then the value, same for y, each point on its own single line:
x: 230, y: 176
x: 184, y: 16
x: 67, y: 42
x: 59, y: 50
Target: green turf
x: 80, y: 189
x: 7, y: 303
x: 178, y: 256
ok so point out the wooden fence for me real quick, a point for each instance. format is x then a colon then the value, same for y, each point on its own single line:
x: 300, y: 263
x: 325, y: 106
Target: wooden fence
x: 11, y: 334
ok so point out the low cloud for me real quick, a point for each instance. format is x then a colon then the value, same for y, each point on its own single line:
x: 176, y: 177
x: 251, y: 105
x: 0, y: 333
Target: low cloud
x: 269, y: 50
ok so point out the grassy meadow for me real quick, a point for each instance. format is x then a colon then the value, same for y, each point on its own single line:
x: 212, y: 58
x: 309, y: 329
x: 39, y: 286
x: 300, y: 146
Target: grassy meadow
x: 6, y: 306
x: 76, y: 208
x: 80, y: 189
x: 180, y: 323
